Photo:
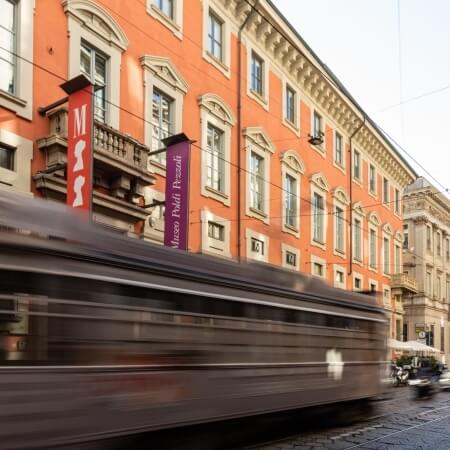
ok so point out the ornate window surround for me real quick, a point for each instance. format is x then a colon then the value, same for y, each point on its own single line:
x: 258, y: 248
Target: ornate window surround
x: 249, y: 234
x: 93, y: 24
x: 288, y: 248
x: 162, y: 74
x: 341, y: 200
x: 258, y: 141
x: 293, y: 165
x: 319, y: 184
x: 22, y: 101
x: 214, y: 110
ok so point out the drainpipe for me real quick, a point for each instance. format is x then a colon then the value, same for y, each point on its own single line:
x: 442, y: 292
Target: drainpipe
x: 350, y: 172
x: 239, y: 127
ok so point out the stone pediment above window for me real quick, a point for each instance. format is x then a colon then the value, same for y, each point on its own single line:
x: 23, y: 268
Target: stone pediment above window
x: 387, y: 229
x: 259, y: 137
x: 340, y: 194
x: 320, y: 181
x: 99, y: 22
x: 374, y: 219
x: 293, y: 161
x: 216, y: 106
x: 358, y: 208
x: 398, y: 236
x: 165, y: 70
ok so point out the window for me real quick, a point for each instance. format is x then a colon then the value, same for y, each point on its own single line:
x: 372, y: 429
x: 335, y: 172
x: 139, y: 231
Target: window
x: 397, y: 201
x: 290, y: 105
x: 447, y: 250
x: 318, y: 218
x: 257, y: 182
x: 372, y: 287
x: 385, y: 191
x: 257, y: 246
x: 291, y: 259
x: 356, y: 165
x: 397, y: 259
x: 215, y: 234
x: 372, y: 249
x: 161, y: 122
x: 215, y: 159
x: 165, y: 6
x: 438, y: 243
x: 405, y: 332
x: 318, y: 269
x: 339, y: 229
x: 405, y: 236
x: 257, y: 67
x: 339, y: 277
x: 291, y: 201
x: 448, y: 289
x: 357, y: 282
x: 8, y: 47
x: 338, y: 149
x: 7, y: 157
x: 215, y: 36
x: 386, y: 256
x: 387, y: 295
x: 428, y: 290
x: 317, y: 125
x: 438, y: 286
x: 398, y: 330
x: 216, y: 231
x: 428, y: 237
x: 442, y: 338
x: 93, y: 65
x: 357, y: 240
x: 372, y: 179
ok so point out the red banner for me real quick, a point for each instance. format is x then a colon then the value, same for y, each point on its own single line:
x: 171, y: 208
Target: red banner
x: 79, y: 148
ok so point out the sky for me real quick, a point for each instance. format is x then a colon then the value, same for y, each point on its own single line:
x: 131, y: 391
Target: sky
x: 386, y: 52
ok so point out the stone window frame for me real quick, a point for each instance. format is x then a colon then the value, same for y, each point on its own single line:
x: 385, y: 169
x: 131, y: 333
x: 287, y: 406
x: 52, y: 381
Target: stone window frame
x: 373, y: 193
x: 161, y: 74
x: 373, y: 224
x: 292, y: 165
x: 358, y: 213
x: 21, y: 102
x: 18, y: 179
x: 175, y: 23
x: 398, y: 243
x: 338, y: 268
x: 387, y: 234
x: 263, y: 99
x: 289, y: 248
x: 293, y: 126
x: 341, y: 200
x: 359, y: 276
x: 341, y: 167
x: 249, y: 234
x: 398, y: 212
x: 223, y: 65
x: 210, y: 245
x: 386, y: 287
x: 371, y: 281
x: 103, y: 33
x: 355, y: 179
x: 258, y: 141
x: 215, y: 111
x: 154, y: 225
x: 318, y: 260
x: 319, y: 184
x: 321, y: 149
x: 385, y: 193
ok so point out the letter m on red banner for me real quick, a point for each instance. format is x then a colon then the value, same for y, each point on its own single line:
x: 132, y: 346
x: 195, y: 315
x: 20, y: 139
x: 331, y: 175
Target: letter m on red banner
x: 79, y: 143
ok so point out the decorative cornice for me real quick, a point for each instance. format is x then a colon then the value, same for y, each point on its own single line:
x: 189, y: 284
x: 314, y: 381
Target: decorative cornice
x: 290, y: 55
x: 258, y: 136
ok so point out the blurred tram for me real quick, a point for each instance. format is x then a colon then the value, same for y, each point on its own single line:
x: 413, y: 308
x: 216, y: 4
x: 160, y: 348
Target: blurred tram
x: 103, y: 335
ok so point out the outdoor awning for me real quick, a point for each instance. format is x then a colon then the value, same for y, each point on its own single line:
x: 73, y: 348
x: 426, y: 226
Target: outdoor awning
x: 411, y: 346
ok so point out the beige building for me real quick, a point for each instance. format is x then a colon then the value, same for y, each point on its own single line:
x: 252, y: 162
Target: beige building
x: 426, y: 266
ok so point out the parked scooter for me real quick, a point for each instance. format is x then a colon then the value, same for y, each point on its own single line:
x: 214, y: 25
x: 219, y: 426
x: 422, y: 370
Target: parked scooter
x: 400, y: 375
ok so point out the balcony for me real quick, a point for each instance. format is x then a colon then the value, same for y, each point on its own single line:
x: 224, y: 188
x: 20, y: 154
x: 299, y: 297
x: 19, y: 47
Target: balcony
x: 404, y: 283
x: 120, y: 172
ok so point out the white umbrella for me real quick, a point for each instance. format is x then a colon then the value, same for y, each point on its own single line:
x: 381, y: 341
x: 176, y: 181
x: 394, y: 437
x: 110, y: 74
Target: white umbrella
x: 417, y: 346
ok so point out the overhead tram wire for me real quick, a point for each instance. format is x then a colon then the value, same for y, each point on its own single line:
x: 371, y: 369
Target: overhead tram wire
x: 197, y: 146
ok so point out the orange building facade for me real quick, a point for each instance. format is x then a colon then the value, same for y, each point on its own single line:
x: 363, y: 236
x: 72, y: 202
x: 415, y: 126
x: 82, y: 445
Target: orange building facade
x: 286, y: 168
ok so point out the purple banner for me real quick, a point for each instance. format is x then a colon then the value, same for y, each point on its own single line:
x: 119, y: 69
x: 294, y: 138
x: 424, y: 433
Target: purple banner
x: 176, y: 220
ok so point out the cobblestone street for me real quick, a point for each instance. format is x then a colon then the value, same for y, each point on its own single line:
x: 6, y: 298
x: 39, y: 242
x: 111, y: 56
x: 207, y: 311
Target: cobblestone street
x: 400, y: 422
